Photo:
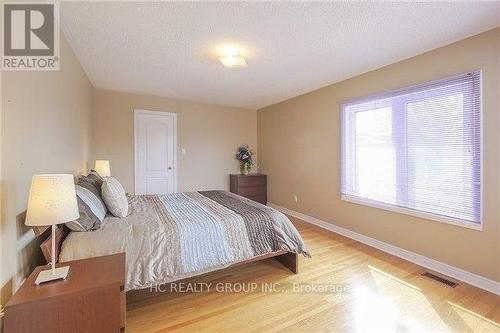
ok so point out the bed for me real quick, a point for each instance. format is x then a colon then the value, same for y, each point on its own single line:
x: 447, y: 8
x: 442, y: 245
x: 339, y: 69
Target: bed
x: 171, y: 237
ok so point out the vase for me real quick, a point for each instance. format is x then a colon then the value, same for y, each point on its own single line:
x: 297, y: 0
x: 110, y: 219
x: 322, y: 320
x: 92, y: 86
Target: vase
x: 245, y: 168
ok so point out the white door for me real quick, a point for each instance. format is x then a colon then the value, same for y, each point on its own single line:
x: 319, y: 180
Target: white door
x: 155, y: 152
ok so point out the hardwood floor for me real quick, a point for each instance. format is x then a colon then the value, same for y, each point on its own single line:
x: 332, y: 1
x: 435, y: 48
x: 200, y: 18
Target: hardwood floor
x: 368, y: 290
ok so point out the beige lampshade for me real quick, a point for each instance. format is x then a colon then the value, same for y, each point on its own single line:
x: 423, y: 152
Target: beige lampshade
x: 52, y: 200
x: 102, y: 168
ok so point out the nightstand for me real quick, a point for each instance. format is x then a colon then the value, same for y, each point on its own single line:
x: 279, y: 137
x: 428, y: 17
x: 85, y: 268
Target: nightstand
x: 91, y: 299
x: 252, y: 186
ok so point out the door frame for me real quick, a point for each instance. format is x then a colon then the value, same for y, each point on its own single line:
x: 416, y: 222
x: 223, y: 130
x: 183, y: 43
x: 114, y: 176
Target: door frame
x: 138, y: 112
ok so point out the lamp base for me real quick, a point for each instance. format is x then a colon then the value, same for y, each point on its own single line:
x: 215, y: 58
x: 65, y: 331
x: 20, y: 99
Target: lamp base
x: 46, y: 276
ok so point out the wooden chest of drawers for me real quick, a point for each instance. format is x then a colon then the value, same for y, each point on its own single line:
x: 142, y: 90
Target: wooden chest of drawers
x: 252, y: 186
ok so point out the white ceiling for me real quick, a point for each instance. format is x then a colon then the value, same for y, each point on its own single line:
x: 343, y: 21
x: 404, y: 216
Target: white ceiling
x: 166, y: 48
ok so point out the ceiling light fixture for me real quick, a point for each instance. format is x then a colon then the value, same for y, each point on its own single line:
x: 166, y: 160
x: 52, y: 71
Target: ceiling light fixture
x: 232, y: 58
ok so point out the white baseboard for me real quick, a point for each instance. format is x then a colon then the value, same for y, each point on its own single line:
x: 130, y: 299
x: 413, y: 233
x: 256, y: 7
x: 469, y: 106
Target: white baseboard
x: 451, y: 271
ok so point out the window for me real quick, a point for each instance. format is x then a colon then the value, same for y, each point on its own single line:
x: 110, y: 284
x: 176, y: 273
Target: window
x: 417, y: 150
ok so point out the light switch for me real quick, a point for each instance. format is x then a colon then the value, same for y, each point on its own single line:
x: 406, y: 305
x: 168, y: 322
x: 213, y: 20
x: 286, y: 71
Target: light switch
x: 183, y: 151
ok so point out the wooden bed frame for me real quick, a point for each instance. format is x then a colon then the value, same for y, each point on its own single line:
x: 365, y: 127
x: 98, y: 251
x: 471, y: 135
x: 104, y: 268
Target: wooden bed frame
x: 287, y: 259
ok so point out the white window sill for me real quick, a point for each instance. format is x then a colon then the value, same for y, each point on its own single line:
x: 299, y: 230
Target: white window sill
x: 412, y: 212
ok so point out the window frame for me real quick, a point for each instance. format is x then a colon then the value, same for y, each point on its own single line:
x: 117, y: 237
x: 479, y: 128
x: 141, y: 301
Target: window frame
x: 405, y: 210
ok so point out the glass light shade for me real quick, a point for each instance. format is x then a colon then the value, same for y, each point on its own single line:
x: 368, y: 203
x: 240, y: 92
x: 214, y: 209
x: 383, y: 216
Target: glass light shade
x: 102, y: 168
x: 52, y: 200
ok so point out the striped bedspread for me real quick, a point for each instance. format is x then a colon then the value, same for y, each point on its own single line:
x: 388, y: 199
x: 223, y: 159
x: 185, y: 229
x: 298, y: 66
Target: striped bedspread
x: 175, y: 236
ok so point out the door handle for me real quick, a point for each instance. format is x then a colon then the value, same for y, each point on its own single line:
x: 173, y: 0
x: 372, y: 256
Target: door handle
x: 169, y: 168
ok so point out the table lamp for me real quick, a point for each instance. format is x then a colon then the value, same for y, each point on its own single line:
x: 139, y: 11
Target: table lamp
x: 52, y: 201
x: 102, y: 168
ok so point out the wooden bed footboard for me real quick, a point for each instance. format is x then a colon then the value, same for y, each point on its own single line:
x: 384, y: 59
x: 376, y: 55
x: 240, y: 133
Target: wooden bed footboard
x: 288, y: 259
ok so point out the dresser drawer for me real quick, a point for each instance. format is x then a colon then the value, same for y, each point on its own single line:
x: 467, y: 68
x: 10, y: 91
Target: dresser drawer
x: 252, y: 181
x: 258, y: 198
x: 252, y: 190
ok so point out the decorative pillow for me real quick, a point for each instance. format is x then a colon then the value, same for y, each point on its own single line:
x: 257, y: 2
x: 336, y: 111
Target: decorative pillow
x: 92, y: 209
x: 114, y: 196
x: 95, y: 178
x: 90, y: 184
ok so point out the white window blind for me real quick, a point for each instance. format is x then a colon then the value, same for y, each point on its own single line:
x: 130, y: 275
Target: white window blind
x: 417, y: 148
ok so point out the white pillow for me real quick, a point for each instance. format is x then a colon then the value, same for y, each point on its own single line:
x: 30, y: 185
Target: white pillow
x: 114, y: 197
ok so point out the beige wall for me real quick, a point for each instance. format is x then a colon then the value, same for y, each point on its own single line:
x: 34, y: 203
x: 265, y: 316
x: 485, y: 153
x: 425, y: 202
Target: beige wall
x: 299, y: 149
x: 46, y: 129
x: 210, y: 134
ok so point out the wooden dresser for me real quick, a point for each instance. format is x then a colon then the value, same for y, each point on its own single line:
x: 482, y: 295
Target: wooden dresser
x: 91, y: 299
x: 252, y: 186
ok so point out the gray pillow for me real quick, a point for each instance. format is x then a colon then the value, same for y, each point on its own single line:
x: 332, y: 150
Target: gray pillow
x: 92, y: 210
x: 90, y: 185
x: 114, y: 196
x: 95, y: 178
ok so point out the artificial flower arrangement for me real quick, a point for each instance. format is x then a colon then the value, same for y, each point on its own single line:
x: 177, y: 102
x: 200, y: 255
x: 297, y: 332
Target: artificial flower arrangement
x: 244, y: 156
